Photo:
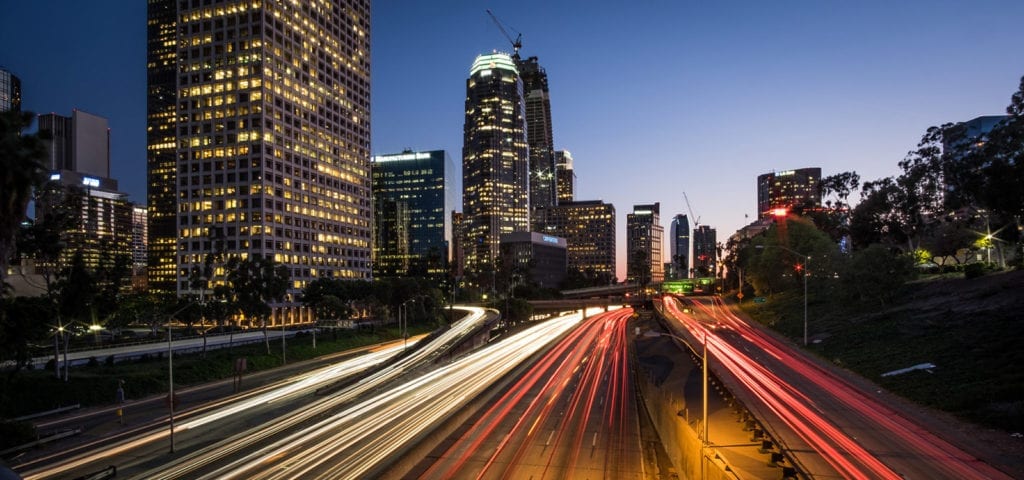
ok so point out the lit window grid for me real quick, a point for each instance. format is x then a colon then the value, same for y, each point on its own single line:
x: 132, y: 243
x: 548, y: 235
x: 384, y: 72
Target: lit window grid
x: 312, y: 214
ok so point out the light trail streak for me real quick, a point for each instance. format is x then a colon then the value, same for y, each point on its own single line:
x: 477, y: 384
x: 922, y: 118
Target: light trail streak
x: 955, y: 462
x: 293, y: 386
x: 594, y: 355
x: 354, y: 440
x: 848, y: 457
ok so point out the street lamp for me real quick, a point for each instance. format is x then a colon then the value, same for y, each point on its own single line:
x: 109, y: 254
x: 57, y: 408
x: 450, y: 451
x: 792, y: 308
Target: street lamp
x: 807, y: 261
x: 704, y: 403
x: 170, y: 371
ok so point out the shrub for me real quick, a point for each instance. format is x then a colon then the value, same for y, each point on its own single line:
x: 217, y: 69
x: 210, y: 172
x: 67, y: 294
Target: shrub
x: 974, y: 270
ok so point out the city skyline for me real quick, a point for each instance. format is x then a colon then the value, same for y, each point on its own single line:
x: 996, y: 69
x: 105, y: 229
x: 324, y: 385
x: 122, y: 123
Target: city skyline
x: 699, y: 99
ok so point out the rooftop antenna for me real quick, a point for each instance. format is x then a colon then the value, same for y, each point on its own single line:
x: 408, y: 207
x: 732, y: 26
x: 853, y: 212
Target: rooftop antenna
x: 516, y: 44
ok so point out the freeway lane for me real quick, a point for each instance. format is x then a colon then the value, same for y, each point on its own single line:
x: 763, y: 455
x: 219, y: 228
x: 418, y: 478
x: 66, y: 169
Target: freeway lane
x: 338, y: 438
x: 859, y: 436
x: 573, y: 414
x: 279, y: 405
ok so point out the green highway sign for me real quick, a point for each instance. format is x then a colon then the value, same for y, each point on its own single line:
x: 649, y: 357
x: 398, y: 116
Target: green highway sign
x: 760, y: 299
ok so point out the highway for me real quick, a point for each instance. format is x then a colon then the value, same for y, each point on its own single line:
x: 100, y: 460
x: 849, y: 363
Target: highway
x: 833, y: 428
x: 270, y: 409
x: 572, y: 414
x: 357, y: 430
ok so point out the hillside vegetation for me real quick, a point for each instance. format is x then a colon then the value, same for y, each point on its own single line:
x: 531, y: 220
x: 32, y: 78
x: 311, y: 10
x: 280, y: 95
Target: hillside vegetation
x: 971, y: 329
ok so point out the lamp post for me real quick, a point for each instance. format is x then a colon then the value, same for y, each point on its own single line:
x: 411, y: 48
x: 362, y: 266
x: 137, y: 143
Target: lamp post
x: 170, y: 371
x: 704, y: 394
x: 807, y: 261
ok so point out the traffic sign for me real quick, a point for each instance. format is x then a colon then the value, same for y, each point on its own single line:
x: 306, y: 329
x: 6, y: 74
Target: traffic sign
x: 739, y: 295
x: 760, y: 299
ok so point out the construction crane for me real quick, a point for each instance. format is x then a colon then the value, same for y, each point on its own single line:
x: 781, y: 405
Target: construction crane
x: 696, y: 219
x: 516, y: 44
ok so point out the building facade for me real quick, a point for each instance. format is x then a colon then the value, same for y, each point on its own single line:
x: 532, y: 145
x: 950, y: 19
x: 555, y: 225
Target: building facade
x: 705, y: 251
x: 458, y: 254
x: 644, y: 237
x: 10, y: 91
x: 79, y: 143
x: 100, y: 230
x: 259, y: 133
x: 412, y: 196
x: 495, y: 160
x: 534, y: 257
x: 588, y: 228
x: 140, y: 250
x: 539, y: 136
x: 679, y: 246
x: 790, y: 190
x: 565, y: 176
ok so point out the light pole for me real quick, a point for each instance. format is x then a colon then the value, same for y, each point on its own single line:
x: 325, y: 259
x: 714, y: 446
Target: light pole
x: 704, y: 394
x: 807, y: 261
x: 170, y: 371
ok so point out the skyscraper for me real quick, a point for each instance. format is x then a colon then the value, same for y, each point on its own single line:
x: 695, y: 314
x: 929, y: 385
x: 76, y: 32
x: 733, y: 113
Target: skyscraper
x: 543, y: 191
x: 566, y: 178
x: 705, y: 251
x: 789, y: 190
x: 78, y: 150
x: 10, y: 91
x: 411, y: 199
x: 495, y: 162
x: 588, y: 228
x: 79, y: 143
x: 679, y: 246
x: 259, y: 132
x: 644, y: 237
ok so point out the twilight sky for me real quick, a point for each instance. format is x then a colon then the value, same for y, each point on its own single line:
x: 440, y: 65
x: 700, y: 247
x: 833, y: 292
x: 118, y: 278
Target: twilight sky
x: 652, y: 98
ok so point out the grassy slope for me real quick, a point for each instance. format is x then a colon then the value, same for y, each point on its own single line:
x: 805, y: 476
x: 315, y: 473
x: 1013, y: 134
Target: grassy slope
x: 972, y: 330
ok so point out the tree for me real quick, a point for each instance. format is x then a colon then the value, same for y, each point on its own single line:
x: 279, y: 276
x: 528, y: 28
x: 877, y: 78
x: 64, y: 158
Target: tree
x: 876, y: 274
x: 835, y: 190
x: 329, y: 299
x: 774, y: 261
x: 76, y: 291
x: 255, y: 282
x: 23, y: 321
x: 21, y: 171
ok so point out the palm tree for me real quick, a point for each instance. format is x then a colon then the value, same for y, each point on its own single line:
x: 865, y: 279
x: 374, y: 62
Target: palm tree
x: 21, y: 169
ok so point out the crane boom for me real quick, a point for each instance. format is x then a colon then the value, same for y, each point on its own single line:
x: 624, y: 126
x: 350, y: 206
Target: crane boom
x: 517, y: 43
x: 696, y: 219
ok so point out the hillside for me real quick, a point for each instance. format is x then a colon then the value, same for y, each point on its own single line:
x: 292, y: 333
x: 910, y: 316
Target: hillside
x: 972, y: 330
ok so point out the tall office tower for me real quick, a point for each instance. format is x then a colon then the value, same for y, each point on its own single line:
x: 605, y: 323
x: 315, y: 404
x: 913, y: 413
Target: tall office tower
x: 102, y: 231
x: 790, y: 190
x: 162, y: 143
x: 565, y: 177
x: 259, y: 123
x: 543, y: 191
x: 588, y: 228
x: 679, y: 246
x: 79, y: 143
x: 644, y: 236
x: 140, y: 252
x: 705, y: 251
x: 495, y: 181
x: 412, y: 195
x: 10, y: 91
x: 79, y: 164
x: 458, y: 261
